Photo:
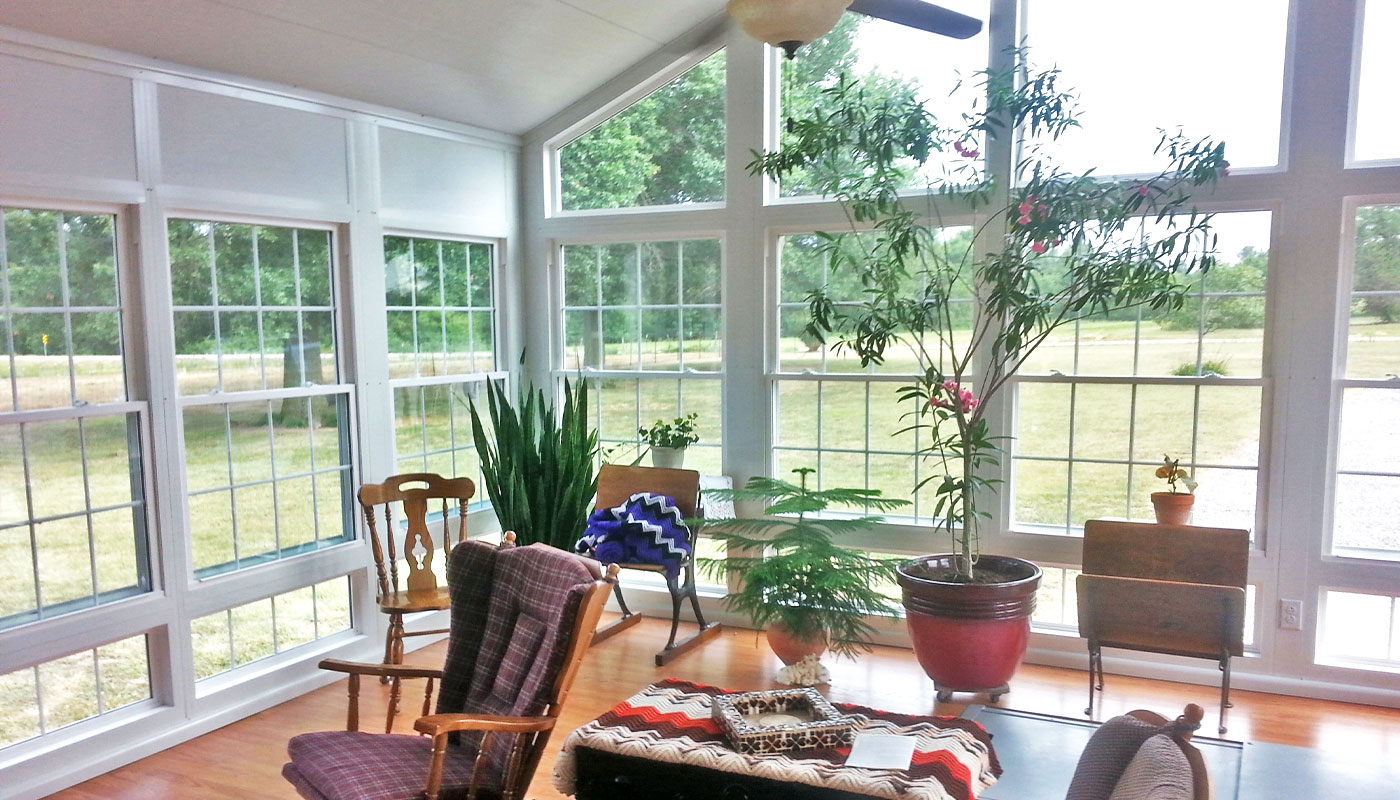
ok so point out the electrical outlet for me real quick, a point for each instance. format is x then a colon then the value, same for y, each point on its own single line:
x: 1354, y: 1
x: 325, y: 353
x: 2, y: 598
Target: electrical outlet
x: 1290, y: 615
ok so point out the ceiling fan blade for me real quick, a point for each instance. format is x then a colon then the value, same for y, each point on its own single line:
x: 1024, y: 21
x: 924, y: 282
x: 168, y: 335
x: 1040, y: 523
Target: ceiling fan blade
x: 921, y: 15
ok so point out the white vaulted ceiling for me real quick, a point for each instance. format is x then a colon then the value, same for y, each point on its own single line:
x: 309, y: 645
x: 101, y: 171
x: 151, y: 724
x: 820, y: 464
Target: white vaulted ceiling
x: 500, y: 64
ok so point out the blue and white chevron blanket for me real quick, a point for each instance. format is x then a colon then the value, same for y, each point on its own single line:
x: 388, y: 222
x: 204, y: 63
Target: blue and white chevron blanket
x: 647, y: 529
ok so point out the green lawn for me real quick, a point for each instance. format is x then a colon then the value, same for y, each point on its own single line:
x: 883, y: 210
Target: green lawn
x: 853, y: 416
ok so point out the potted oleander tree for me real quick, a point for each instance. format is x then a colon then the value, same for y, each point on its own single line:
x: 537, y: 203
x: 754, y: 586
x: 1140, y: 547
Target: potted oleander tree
x: 800, y: 586
x: 1048, y: 247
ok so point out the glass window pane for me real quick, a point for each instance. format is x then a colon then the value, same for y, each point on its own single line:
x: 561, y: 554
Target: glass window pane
x: 213, y: 651
x: 1366, y: 518
x: 1091, y: 41
x: 1376, y: 118
x: 40, y: 348
x: 19, y: 691
x: 1372, y: 350
x: 893, y: 62
x: 1356, y: 626
x: 277, y: 279
x: 68, y: 687
x: 314, y: 267
x: 1042, y: 420
x: 54, y: 451
x: 665, y: 149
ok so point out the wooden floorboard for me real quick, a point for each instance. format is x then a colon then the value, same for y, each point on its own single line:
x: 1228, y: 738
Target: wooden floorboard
x: 244, y: 760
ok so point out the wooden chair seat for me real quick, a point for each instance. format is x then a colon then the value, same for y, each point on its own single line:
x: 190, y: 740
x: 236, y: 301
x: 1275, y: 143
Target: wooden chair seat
x: 411, y: 601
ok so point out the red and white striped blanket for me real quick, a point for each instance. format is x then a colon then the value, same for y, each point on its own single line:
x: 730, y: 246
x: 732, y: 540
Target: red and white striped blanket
x: 670, y: 722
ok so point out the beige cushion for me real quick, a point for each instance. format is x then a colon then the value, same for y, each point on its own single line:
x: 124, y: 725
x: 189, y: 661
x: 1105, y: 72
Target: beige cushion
x: 1109, y: 750
x: 1159, y: 771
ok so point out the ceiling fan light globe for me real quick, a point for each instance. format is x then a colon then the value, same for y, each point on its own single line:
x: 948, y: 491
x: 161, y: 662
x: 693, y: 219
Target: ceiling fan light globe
x: 783, y: 22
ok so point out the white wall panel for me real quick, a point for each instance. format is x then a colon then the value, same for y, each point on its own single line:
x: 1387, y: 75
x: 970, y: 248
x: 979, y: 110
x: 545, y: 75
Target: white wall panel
x: 218, y: 142
x: 58, y: 120
x: 445, y: 180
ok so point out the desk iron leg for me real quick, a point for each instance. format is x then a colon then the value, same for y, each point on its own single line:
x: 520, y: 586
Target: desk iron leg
x: 1224, y: 688
x: 1095, y: 675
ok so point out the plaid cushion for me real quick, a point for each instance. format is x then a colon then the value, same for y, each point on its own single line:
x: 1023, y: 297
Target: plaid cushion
x: 1109, y: 750
x: 470, y: 575
x: 350, y: 765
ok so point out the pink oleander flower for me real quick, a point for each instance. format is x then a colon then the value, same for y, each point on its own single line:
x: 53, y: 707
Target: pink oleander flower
x: 1038, y: 247
x: 965, y: 151
x: 1057, y: 242
x: 1023, y: 220
x: 1142, y: 190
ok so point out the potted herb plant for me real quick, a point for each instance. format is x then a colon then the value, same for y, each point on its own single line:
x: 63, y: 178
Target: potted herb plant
x: 668, y: 440
x: 1173, y: 507
x: 808, y: 592
x: 1047, y: 248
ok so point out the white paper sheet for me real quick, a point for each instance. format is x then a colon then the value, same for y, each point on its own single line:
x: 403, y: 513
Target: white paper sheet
x: 882, y: 751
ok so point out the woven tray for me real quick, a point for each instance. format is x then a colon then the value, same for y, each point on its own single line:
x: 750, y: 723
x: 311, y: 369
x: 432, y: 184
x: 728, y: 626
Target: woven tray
x: 819, y: 726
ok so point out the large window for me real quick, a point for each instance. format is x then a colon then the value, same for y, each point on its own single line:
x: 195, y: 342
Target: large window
x: 48, y: 696
x: 441, y: 314
x: 1101, y: 402
x: 72, y: 497
x: 1130, y: 87
x: 665, y: 149
x: 266, y: 417
x: 832, y: 414
x: 264, y: 628
x: 894, y: 62
x: 642, y: 322
x: 1366, y: 515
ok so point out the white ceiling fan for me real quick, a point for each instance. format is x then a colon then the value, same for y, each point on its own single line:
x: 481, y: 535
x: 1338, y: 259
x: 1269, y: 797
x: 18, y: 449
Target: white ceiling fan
x: 789, y: 24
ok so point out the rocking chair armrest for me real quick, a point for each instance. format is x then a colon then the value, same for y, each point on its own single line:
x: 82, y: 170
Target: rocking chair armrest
x: 382, y: 670
x: 439, y: 724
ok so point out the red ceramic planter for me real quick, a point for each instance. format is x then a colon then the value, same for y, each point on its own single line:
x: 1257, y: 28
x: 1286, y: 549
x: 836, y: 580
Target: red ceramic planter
x: 969, y: 637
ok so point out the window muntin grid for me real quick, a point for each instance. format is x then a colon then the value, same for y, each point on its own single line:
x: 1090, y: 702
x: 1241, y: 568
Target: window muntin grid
x: 1366, y: 496
x: 1101, y: 402
x: 60, y: 310
x: 253, y: 306
x: 834, y: 415
x: 440, y: 306
x: 70, y: 550
x: 642, y: 323
x: 43, y: 698
x: 433, y: 429
x: 263, y: 628
x: 267, y: 459
x: 266, y: 479
x: 441, y: 315
x: 665, y: 149
x: 65, y: 422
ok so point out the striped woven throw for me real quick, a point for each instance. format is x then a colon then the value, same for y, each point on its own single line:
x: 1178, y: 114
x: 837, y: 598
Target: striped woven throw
x: 670, y: 722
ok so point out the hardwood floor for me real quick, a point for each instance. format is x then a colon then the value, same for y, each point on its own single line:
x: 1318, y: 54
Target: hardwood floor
x: 244, y: 760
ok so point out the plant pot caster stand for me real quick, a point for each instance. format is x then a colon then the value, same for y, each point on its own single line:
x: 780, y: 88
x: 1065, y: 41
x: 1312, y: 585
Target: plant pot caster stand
x: 944, y: 694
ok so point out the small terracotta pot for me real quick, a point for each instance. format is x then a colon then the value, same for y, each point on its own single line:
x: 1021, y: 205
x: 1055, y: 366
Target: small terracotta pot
x: 668, y: 457
x: 1173, y: 508
x: 791, y: 649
